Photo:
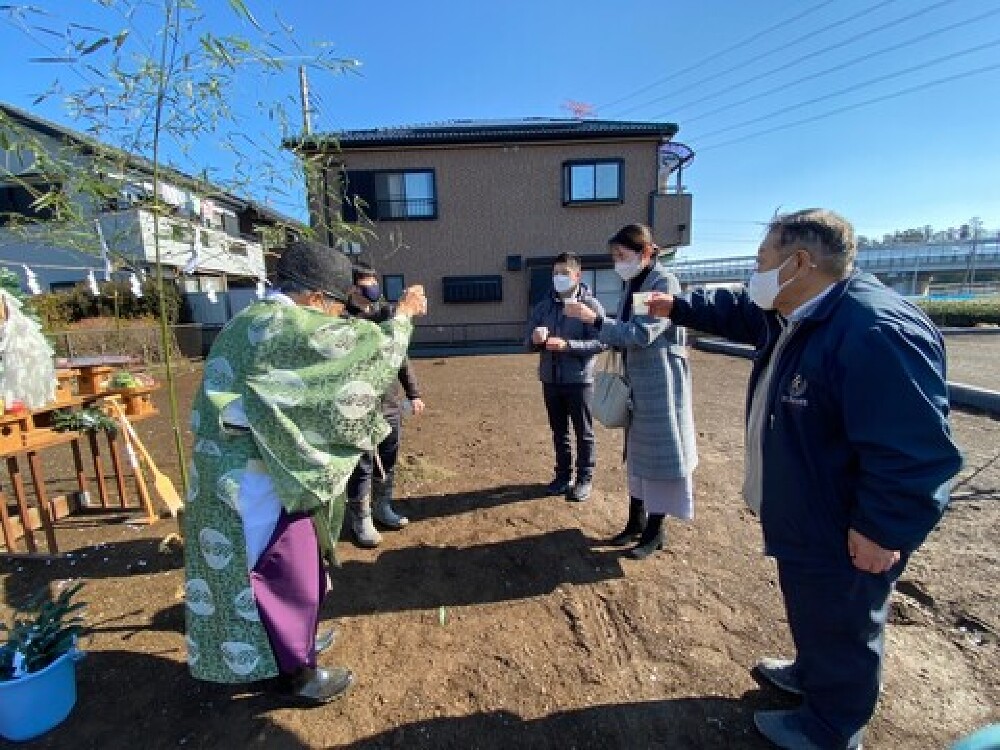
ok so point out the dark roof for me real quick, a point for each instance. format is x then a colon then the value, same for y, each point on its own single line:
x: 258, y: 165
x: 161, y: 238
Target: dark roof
x: 89, y: 145
x: 454, y: 132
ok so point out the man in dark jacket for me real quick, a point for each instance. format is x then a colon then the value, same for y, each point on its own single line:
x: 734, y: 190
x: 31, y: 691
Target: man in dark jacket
x: 370, y: 488
x: 849, y: 458
x: 568, y: 349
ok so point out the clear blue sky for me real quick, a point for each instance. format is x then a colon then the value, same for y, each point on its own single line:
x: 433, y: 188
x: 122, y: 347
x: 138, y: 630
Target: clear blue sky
x: 931, y: 156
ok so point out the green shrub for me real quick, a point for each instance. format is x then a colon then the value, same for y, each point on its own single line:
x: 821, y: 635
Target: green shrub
x: 963, y: 313
x: 59, y: 309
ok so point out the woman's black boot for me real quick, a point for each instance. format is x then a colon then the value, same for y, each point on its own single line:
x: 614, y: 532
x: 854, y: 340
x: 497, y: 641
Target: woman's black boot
x: 636, y: 523
x: 651, y: 539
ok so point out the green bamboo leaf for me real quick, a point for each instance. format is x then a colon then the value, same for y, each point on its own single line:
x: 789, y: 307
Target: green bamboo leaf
x: 52, y: 59
x: 240, y: 7
x: 91, y: 48
x: 120, y: 39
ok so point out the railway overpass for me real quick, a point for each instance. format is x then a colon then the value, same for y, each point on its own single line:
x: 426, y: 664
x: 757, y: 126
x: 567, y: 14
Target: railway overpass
x: 911, y: 269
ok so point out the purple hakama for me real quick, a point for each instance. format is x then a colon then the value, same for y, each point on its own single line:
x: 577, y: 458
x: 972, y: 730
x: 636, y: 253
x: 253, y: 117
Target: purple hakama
x: 289, y: 584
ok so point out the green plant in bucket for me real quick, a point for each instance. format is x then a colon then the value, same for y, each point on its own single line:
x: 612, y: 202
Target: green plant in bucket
x: 41, y: 633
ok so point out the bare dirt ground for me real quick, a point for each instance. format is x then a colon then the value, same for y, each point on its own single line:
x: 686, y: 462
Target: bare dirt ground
x: 496, y: 620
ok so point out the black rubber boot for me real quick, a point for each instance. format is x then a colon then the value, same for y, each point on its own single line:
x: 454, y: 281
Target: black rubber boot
x: 318, y: 685
x: 651, y: 539
x: 634, y: 527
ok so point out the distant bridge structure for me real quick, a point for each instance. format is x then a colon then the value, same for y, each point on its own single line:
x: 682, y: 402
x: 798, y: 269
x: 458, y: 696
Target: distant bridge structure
x: 910, y: 269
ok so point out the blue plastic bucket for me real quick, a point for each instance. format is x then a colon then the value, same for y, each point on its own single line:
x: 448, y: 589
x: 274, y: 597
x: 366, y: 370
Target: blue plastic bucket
x: 987, y: 738
x: 33, y: 704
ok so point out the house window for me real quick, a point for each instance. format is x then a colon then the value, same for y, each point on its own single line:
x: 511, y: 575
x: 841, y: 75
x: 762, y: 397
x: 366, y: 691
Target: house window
x: 460, y: 289
x: 392, y: 196
x: 592, y: 181
x: 606, y: 285
x: 20, y: 200
x: 393, y: 285
x: 238, y: 248
x: 230, y: 225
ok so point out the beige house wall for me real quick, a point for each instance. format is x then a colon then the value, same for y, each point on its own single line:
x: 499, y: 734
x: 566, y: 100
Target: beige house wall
x: 496, y: 200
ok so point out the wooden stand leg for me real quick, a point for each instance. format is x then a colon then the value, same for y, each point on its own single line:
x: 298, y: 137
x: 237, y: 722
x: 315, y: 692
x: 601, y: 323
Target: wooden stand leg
x: 44, y: 510
x: 81, y: 475
x: 116, y: 463
x: 8, y: 529
x: 22, y: 502
x: 102, y: 487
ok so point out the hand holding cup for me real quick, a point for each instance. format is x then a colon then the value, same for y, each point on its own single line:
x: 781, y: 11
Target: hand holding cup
x: 413, y: 302
x: 660, y: 304
x: 579, y: 311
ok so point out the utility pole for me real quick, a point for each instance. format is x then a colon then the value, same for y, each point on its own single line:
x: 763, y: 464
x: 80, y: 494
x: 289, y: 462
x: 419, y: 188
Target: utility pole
x: 306, y: 108
x: 976, y: 225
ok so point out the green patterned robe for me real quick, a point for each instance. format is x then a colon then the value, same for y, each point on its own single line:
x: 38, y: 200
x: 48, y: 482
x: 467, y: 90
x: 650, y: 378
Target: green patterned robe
x: 309, y: 386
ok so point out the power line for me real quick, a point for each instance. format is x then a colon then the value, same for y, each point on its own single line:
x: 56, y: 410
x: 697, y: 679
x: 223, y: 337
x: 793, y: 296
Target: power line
x: 857, y: 105
x: 802, y: 38
x: 856, y: 87
x: 727, y: 50
x: 799, y: 60
x: 856, y: 60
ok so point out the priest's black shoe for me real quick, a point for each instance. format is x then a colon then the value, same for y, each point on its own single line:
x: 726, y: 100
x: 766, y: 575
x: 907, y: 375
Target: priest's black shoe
x: 321, y: 685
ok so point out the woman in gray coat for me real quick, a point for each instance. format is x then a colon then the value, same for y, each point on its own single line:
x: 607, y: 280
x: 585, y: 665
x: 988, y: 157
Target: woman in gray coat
x: 659, y: 440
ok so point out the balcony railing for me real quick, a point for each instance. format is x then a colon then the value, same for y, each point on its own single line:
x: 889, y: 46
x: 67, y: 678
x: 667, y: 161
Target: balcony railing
x: 407, y: 208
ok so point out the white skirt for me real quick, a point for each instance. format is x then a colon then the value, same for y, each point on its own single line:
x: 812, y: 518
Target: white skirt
x: 669, y: 497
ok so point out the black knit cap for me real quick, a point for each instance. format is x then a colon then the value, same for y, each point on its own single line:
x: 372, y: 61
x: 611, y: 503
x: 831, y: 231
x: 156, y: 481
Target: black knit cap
x: 316, y: 267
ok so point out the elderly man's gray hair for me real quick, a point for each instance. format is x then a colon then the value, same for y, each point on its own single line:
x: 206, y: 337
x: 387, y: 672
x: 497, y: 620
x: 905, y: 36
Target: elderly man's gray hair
x: 827, y: 236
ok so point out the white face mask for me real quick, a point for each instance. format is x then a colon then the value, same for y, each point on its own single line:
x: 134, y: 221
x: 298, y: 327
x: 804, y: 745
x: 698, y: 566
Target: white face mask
x: 628, y: 269
x: 764, y: 286
x: 562, y: 283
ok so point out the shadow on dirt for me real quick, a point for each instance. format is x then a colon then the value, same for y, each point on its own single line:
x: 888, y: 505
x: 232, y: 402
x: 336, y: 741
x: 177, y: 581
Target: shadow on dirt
x: 423, y: 507
x: 131, y: 557
x: 426, y: 577
x: 676, y: 724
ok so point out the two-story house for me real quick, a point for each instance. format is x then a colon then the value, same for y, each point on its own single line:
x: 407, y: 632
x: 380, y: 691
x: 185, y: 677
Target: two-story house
x: 210, y: 241
x: 476, y: 211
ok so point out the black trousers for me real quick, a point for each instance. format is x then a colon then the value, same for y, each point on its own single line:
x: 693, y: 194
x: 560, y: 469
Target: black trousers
x: 360, y: 483
x: 565, y: 404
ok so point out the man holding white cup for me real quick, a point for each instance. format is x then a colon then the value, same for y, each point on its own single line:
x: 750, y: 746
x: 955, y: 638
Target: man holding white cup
x: 568, y: 349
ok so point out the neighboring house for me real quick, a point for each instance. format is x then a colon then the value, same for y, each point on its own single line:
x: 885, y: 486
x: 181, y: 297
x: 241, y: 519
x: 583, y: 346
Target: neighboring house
x: 213, y: 234
x: 477, y: 210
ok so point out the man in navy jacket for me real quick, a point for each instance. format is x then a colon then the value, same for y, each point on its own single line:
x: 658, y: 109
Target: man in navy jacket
x: 568, y: 349
x: 849, y: 457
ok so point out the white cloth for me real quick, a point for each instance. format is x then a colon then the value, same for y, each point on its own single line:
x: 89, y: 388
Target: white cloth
x: 26, y: 369
x: 259, y: 508
x: 668, y: 497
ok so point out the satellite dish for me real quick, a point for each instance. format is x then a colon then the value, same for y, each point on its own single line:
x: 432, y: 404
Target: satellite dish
x: 671, y: 157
